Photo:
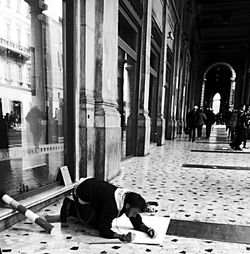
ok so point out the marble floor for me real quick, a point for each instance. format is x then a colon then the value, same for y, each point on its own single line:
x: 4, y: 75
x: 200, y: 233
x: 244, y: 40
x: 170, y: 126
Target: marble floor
x: 203, y: 181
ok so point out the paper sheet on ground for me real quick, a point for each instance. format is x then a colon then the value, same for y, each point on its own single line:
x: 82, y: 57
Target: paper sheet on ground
x: 122, y: 225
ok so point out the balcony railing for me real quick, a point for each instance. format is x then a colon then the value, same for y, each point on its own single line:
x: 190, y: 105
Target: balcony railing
x: 15, y: 47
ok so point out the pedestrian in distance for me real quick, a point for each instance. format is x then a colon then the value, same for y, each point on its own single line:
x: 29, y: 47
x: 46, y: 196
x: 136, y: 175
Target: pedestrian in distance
x: 210, y: 120
x: 192, y: 119
x: 247, y: 125
x: 237, y: 128
x: 244, y: 123
x: 201, y: 121
x: 97, y: 203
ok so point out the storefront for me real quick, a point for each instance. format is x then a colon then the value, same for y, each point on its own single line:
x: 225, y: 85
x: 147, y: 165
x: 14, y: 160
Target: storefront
x: 32, y: 95
x: 129, y: 32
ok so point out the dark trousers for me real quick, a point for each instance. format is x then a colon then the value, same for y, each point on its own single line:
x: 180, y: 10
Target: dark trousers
x: 236, y: 138
x: 244, y: 137
x: 199, y: 130
x: 208, y: 130
x: 85, y: 213
x: 192, y: 133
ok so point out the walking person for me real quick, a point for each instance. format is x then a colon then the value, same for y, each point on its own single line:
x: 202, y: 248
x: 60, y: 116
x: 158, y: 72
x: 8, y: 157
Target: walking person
x: 237, y: 123
x: 247, y: 124
x: 201, y: 121
x: 210, y: 120
x: 96, y: 203
x: 192, y: 122
x: 244, y: 122
x: 228, y: 116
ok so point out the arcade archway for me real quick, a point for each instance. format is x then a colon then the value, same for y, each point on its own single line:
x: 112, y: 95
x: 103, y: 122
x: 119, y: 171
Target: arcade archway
x: 219, y: 78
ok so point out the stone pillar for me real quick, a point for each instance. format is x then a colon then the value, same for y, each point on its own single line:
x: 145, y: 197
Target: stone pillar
x: 107, y: 155
x: 232, y: 93
x: 177, y: 78
x: 182, y: 90
x: 170, y: 118
x: 203, y: 92
x: 37, y: 65
x: 171, y: 89
x: 177, y: 71
x: 160, y: 126
x: 86, y: 75
x: 143, y: 131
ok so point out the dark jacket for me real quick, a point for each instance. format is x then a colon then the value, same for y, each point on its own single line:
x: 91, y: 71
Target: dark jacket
x: 192, y: 118
x: 210, y: 117
x: 101, y: 196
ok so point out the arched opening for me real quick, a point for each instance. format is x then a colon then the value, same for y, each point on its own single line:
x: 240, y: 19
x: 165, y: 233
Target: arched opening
x: 219, y: 79
x: 216, y: 103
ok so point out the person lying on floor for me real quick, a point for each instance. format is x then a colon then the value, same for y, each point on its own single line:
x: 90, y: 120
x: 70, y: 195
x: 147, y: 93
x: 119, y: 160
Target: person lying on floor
x: 96, y: 203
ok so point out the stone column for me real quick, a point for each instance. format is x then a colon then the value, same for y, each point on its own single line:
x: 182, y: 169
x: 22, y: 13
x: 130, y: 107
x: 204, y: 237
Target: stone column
x: 177, y: 73
x: 37, y: 65
x: 143, y: 131
x: 203, y: 92
x: 182, y: 90
x: 160, y: 126
x: 86, y: 75
x: 107, y: 155
x: 173, y: 89
x: 232, y: 93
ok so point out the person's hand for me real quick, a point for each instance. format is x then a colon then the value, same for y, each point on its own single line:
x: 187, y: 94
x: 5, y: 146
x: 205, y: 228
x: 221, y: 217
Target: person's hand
x: 151, y: 233
x: 129, y: 237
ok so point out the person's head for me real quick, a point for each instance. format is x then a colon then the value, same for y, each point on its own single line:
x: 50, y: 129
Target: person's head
x: 134, y: 204
x: 195, y: 108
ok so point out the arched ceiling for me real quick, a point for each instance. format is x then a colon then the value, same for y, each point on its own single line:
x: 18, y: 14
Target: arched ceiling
x: 223, y: 27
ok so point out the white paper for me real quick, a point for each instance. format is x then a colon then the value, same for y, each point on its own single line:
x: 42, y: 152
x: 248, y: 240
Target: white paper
x: 122, y: 225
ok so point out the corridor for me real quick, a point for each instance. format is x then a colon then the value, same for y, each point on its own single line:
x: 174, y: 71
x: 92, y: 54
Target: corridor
x: 202, y: 186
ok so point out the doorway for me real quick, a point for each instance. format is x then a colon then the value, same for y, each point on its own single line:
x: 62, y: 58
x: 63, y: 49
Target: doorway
x: 216, y: 103
x: 127, y: 100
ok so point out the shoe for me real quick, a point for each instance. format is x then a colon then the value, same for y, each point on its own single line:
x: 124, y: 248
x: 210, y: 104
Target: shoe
x: 64, y: 212
x: 238, y: 149
x: 232, y: 146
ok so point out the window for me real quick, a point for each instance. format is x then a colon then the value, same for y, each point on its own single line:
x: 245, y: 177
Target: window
x: 59, y: 57
x: 2, y: 69
x: 20, y: 74
x: 34, y: 139
x: 128, y: 39
x: 127, y: 32
x: 28, y: 40
x: 8, y: 71
x: 28, y: 75
x: 19, y: 36
x: 7, y: 32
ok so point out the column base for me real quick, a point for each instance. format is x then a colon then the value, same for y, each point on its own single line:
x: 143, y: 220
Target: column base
x: 170, y: 129
x: 160, y: 137
x: 107, y: 143
x: 143, y: 134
